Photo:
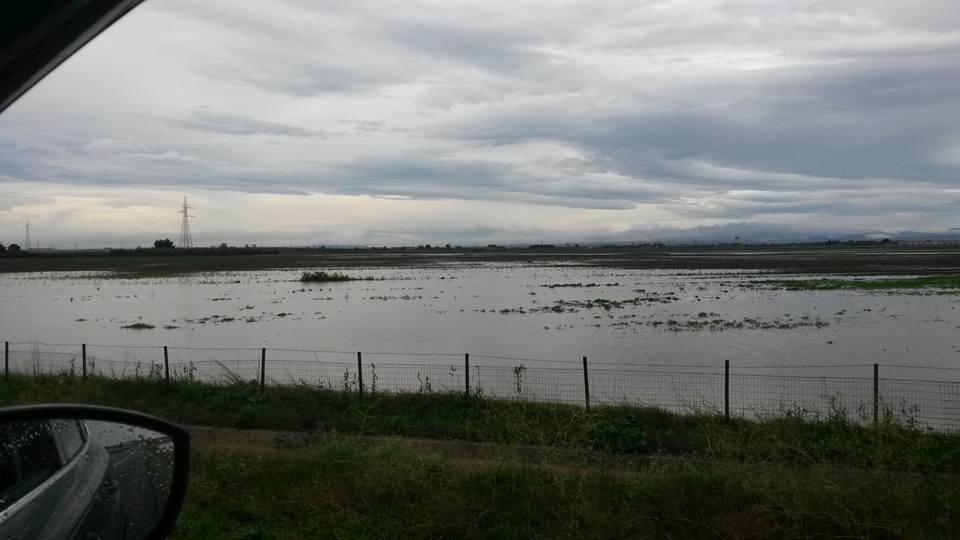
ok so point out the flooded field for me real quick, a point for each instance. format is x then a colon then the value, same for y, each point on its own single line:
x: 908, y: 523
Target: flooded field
x: 673, y: 317
x: 653, y: 337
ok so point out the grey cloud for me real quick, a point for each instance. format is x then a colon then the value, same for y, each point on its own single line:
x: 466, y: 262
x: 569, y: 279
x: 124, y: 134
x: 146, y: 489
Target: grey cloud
x: 865, y: 122
x: 286, y: 19
x: 232, y: 124
x: 14, y: 164
x: 420, y: 176
x: 477, y: 43
x: 9, y: 200
x: 681, y: 109
x: 371, y: 126
x: 298, y: 76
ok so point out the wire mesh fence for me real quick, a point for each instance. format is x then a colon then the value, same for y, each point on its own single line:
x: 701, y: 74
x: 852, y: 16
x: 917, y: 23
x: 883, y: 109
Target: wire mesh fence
x: 732, y: 390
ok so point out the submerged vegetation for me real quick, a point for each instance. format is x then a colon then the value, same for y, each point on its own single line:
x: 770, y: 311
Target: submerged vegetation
x: 922, y: 282
x: 138, y: 326
x: 607, y: 304
x: 705, y: 322
x: 322, y: 277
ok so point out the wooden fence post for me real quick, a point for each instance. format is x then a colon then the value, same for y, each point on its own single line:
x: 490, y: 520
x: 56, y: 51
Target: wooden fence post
x: 726, y: 389
x: 466, y: 370
x: 360, y: 372
x: 876, y: 394
x: 263, y: 368
x: 586, y: 383
x: 166, y: 365
x: 83, y: 348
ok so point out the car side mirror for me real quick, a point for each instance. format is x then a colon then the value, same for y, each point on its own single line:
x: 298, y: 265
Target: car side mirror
x: 75, y: 471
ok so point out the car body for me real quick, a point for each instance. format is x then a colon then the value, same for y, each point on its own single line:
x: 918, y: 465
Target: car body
x: 51, y: 474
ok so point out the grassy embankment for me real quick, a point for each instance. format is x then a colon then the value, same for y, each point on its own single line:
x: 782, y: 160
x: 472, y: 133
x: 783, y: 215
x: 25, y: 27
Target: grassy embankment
x: 922, y: 282
x: 780, y: 478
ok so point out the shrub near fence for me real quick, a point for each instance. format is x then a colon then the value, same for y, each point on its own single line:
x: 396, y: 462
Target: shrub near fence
x: 727, y: 389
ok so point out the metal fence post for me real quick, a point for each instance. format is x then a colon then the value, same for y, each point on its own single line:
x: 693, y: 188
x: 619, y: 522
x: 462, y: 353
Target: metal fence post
x: 876, y: 394
x: 360, y: 373
x: 83, y: 348
x: 263, y: 368
x: 726, y: 389
x: 6, y: 360
x: 586, y: 383
x: 166, y: 365
x: 466, y: 370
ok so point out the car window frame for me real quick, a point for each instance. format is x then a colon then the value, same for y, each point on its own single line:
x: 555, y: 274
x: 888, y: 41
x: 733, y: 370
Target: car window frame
x: 33, y: 487
x: 62, y: 443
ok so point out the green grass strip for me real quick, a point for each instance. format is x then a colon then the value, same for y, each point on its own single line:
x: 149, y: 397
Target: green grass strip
x: 792, y: 440
x: 341, y: 489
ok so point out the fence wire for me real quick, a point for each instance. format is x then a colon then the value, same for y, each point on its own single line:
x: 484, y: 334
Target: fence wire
x: 742, y: 391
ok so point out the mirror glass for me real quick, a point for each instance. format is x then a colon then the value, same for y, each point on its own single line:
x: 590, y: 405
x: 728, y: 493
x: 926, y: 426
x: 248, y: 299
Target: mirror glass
x: 71, y: 477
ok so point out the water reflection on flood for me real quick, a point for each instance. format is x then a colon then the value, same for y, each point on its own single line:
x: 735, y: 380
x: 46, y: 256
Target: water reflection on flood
x: 555, y: 312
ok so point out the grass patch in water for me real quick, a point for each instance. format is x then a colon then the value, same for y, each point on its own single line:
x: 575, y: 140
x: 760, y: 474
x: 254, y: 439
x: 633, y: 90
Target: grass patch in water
x: 138, y: 326
x: 922, y: 282
x: 323, y: 277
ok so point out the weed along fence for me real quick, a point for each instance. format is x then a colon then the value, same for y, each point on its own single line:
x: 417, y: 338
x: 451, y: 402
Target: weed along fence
x: 860, y: 392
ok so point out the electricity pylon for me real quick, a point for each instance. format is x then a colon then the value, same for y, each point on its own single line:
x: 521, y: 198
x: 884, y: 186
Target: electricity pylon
x: 186, y: 238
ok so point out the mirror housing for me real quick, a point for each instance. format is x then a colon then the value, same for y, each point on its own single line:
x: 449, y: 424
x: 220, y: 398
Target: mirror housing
x: 122, y: 461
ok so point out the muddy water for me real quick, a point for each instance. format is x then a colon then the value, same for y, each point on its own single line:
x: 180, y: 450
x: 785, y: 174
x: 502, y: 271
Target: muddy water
x: 558, y: 313
x: 653, y: 337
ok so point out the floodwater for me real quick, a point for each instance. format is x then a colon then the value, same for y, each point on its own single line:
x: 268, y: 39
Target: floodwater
x: 657, y: 337
x: 557, y: 313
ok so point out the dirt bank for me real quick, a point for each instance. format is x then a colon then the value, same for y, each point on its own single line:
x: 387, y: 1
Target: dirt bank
x: 877, y: 259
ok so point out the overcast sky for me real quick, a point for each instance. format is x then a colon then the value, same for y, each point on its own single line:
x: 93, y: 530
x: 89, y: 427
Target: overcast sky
x: 389, y: 123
